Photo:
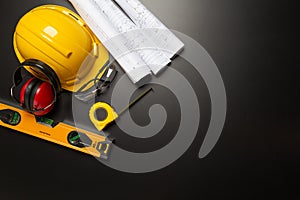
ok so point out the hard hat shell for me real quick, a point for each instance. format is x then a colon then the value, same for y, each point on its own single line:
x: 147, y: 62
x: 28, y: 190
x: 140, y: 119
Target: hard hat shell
x: 61, y: 39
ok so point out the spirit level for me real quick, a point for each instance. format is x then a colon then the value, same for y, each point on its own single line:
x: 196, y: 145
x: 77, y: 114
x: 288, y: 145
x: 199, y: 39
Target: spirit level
x: 57, y: 132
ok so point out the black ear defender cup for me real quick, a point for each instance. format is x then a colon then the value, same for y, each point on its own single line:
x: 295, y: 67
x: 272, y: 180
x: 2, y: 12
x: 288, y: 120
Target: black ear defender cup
x: 29, y: 91
x: 33, y: 94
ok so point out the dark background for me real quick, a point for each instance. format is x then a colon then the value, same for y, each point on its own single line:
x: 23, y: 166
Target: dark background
x: 255, y: 46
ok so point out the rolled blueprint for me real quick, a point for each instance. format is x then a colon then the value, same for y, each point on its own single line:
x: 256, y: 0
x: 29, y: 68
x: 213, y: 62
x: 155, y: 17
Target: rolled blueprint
x: 133, y: 65
x: 136, y: 38
x: 154, y: 28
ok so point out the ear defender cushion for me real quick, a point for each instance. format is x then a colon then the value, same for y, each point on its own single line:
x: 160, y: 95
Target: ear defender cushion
x: 23, y: 95
x: 32, y: 94
x: 28, y: 89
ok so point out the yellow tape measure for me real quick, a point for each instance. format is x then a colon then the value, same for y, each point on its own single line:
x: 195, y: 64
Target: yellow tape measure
x: 111, y: 115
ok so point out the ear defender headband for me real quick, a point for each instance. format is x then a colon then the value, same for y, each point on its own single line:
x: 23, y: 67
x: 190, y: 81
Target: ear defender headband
x: 33, y: 94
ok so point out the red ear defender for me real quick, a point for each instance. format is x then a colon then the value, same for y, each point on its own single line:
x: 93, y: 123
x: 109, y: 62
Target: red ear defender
x: 43, y: 99
x: 37, y: 96
x: 33, y: 93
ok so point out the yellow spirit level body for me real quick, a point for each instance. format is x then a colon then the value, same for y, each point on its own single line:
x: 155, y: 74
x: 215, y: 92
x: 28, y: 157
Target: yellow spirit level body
x: 59, y: 133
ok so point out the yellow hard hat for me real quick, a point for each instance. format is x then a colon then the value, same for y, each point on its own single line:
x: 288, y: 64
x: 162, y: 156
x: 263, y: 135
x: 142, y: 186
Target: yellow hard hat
x: 60, y: 38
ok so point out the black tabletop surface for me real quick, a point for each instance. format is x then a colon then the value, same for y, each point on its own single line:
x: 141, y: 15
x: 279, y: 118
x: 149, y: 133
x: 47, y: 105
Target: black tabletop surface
x: 254, y: 44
